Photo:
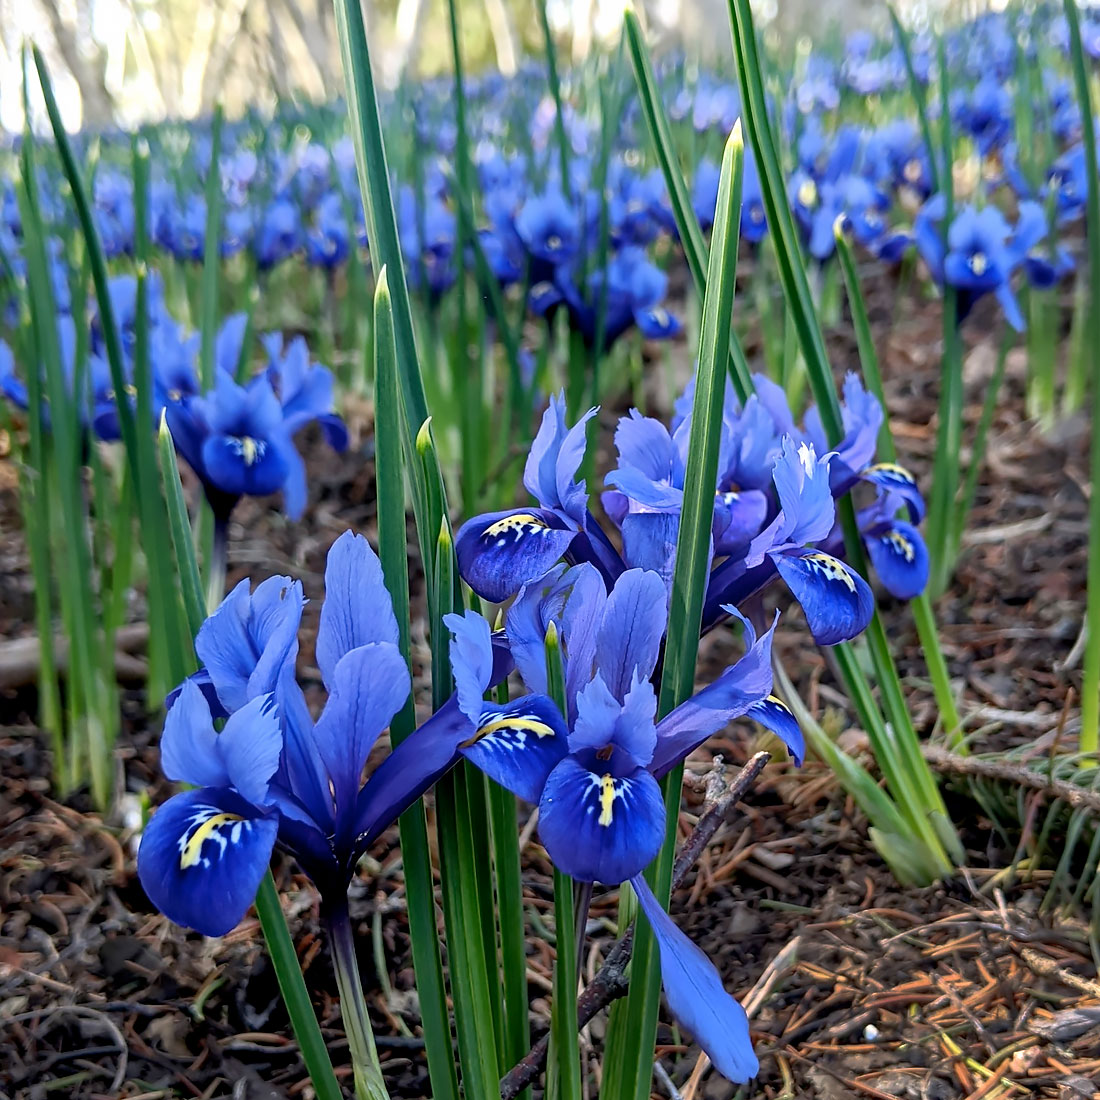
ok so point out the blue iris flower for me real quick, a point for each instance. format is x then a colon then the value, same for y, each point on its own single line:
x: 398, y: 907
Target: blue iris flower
x: 983, y: 251
x: 649, y: 480
x: 499, y: 552
x: 238, y: 439
x: 278, y: 233
x: 272, y: 774
x: 549, y: 229
x: 595, y: 778
x: 632, y: 290
x: 837, y: 600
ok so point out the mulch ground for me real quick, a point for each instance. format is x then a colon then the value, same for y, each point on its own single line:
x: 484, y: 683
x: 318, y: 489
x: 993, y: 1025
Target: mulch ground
x: 976, y: 988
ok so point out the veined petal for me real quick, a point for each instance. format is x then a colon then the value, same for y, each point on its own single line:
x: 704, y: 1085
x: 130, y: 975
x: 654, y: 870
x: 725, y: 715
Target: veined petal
x: 775, y: 715
x: 248, y: 639
x: 899, y: 556
x: 251, y: 743
x: 837, y: 600
x: 188, y: 745
x: 500, y: 552
x: 649, y: 542
x: 409, y: 771
x: 634, y: 620
x: 357, y: 608
x: 518, y: 744
x: 730, y: 696
x: 696, y: 996
x: 897, y: 479
x: 572, y: 597
x: 369, y: 686
x: 471, y: 661
x: 202, y: 857
x: 599, y: 827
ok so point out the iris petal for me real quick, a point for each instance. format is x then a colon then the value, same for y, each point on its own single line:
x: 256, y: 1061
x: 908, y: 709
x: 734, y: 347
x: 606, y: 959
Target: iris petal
x: 899, y: 556
x: 471, y: 660
x: 357, y: 608
x: 368, y: 688
x: 202, y: 857
x: 774, y: 714
x: 837, y: 601
x: 501, y: 551
x: 188, y: 746
x: 243, y: 464
x: 518, y: 744
x: 600, y: 827
x: 696, y: 996
x: 897, y: 479
x: 634, y: 621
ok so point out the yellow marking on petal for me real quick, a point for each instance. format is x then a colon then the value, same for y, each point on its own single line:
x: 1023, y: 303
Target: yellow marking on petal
x: 607, y: 799
x: 978, y: 263
x: 249, y: 450
x: 893, y: 470
x: 902, y: 545
x: 807, y: 193
x: 520, y: 723
x: 191, y: 852
x: 519, y: 522
x: 832, y: 569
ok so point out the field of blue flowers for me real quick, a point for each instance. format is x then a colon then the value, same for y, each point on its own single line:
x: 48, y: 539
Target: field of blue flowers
x: 578, y: 584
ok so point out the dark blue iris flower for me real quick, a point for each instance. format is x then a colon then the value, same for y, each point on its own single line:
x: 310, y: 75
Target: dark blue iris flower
x: 549, y: 228
x: 983, y: 251
x: 837, y: 600
x: 278, y: 234
x: 986, y: 113
x: 428, y: 242
x: 631, y: 289
x: 273, y: 775
x: 595, y: 778
x: 499, y: 552
x: 327, y: 242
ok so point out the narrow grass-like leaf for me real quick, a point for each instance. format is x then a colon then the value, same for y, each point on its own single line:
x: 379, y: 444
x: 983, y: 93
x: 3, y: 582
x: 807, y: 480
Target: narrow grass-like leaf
x: 415, y: 849
x: 563, y: 1067
x: 916, y: 90
x: 1090, y: 684
x: 906, y: 771
x: 211, y: 266
x: 923, y: 615
x: 687, y: 224
x: 468, y: 966
x: 555, y: 91
x: 292, y: 986
x: 179, y: 524
x: 629, y: 1073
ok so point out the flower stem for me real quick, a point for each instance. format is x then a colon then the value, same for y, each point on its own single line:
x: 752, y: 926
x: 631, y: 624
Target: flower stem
x: 369, y: 1084
x: 219, y: 558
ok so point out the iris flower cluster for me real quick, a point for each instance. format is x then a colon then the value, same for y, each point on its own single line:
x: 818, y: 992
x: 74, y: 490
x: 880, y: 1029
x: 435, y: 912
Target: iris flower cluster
x: 237, y: 437
x: 774, y: 510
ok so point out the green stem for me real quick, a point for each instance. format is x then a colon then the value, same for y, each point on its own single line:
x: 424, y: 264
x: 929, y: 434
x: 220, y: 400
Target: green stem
x: 219, y: 561
x: 369, y: 1084
x: 292, y: 986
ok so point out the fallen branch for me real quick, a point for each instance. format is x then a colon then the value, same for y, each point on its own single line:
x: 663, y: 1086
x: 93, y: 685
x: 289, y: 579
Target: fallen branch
x: 1009, y: 771
x: 610, y: 982
x: 20, y: 658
